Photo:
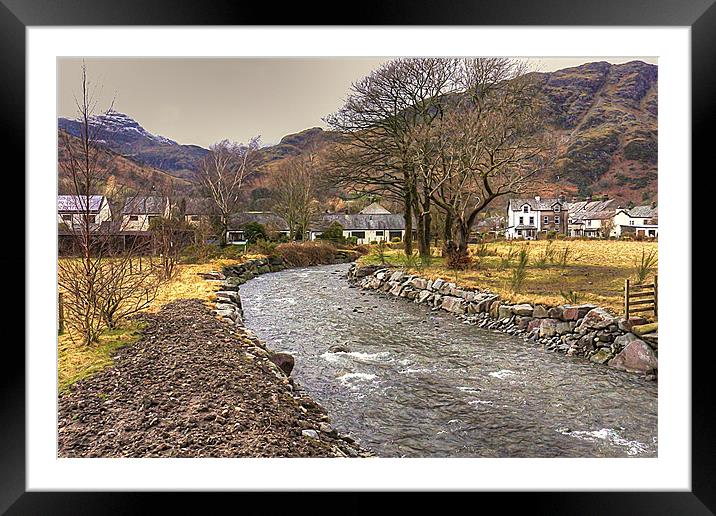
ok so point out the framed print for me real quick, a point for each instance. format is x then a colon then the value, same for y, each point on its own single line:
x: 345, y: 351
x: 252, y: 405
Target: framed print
x: 418, y: 252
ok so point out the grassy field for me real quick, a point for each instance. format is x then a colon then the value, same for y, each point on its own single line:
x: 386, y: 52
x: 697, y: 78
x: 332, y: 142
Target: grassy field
x: 76, y: 361
x: 594, y: 270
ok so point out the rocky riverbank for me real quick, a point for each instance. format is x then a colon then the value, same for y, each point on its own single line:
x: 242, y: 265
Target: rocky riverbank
x: 575, y: 330
x: 198, y: 384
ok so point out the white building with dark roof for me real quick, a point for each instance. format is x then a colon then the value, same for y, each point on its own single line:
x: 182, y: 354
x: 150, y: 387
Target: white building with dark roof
x: 138, y: 212
x: 373, y: 224
x: 640, y: 221
x: 591, y: 219
x: 527, y: 218
x: 72, y: 210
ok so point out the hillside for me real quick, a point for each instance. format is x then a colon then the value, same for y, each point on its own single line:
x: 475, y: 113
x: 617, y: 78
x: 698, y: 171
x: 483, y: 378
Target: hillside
x: 605, y: 116
x: 123, y: 135
x: 121, y: 171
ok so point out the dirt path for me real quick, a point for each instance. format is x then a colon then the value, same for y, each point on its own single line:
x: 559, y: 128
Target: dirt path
x: 193, y: 386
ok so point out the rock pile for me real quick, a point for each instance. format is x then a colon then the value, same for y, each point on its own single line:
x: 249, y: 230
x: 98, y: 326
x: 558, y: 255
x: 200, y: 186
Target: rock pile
x: 581, y: 330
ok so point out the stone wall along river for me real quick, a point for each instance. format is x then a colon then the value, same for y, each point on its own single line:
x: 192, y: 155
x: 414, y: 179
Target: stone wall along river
x: 419, y: 383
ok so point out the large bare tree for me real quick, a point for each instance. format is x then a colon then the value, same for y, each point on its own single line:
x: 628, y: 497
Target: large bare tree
x: 382, y: 117
x: 294, y: 187
x: 489, y: 144
x: 223, y: 173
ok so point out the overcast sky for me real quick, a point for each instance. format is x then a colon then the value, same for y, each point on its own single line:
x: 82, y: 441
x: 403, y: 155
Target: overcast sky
x: 203, y: 100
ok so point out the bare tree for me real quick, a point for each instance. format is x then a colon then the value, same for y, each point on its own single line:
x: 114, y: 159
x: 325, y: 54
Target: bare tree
x: 294, y: 190
x: 101, y: 284
x: 488, y: 145
x: 381, y: 116
x: 222, y: 175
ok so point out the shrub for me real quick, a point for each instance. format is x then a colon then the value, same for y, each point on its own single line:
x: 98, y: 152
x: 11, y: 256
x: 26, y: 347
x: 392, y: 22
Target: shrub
x: 265, y: 247
x: 334, y: 233
x: 302, y: 254
x: 645, y: 265
x: 253, y: 232
x: 571, y: 297
x: 520, y: 271
x: 199, y: 253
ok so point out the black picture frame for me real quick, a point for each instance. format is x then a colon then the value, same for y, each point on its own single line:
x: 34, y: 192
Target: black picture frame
x: 16, y: 15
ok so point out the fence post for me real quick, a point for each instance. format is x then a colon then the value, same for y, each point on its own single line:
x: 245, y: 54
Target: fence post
x: 656, y: 296
x: 61, y: 315
x: 626, y: 299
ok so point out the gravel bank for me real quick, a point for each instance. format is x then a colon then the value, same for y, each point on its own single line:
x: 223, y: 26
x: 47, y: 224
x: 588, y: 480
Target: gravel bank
x: 194, y: 386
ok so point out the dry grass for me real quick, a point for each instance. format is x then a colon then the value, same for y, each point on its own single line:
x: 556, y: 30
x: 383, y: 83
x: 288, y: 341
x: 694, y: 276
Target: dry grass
x: 595, y: 270
x: 76, y: 361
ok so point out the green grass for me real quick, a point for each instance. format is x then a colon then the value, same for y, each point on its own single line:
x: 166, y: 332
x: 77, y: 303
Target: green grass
x: 76, y: 361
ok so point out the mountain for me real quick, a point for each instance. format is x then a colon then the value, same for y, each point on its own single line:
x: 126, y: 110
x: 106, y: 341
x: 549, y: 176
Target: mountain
x: 120, y: 170
x: 607, y: 117
x: 604, y: 115
x: 123, y: 135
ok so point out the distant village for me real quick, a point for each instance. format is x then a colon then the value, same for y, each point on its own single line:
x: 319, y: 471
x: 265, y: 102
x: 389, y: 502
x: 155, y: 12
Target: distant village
x: 526, y: 218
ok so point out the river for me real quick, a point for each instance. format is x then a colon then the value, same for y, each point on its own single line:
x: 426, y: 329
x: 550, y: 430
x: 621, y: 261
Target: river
x: 418, y: 383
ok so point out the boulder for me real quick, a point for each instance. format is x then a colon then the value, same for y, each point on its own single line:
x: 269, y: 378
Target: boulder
x: 395, y: 291
x: 453, y: 305
x: 446, y: 288
x: 484, y: 304
x: 597, y: 319
x: 534, y: 324
x: 523, y: 323
x: 437, y: 284
x: 563, y: 327
x: 548, y: 327
x: 555, y: 312
x: 312, y: 434
x: 643, y: 329
x: 636, y: 357
x: 396, y: 276
x: 540, y: 312
x: 627, y: 324
x: 284, y: 361
x: 524, y: 310
x: 424, y: 296
x: 418, y: 283
x: 575, y: 312
x: 229, y: 295
x: 494, y: 307
x: 601, y: 356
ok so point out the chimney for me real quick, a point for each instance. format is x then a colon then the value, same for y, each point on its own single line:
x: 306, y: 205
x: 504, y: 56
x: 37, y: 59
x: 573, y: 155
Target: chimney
x: 537, y: 198
x: 561, y: 197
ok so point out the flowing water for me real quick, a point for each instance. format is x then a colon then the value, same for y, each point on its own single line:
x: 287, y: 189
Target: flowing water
x: 418, y: 383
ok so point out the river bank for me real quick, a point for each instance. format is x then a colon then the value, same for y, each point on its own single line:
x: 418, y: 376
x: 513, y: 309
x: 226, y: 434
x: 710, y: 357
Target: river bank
x: 198, y: 384
x: 584, y: 330
x: 409, y: 381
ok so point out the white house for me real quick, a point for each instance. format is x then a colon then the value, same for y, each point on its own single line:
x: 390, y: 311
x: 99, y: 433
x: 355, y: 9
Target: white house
x: 591, y: 218
x: 373, y: 224
x: 269, y: 220
x: 640, y: 221
x: 72, y: 210
x: 138, y: 212
x: 527, y: 218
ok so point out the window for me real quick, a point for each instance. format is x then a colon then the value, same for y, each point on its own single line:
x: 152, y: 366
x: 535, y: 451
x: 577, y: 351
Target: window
x: 91, y: 219
x: 631, y: 222
x: 395, y: 234
x: 525, y: 209
x: 557, y: 219
x: 546, y: 219
x: 557, y: 207
x: 589, y: 222
x: 67, y: 218
x: 153, y: 217
x: 378, y: 233
x: 235, y: 236
x: 532, y: 221
x: 133, y: 218
x: 522, y: 220
x: 358, y: 234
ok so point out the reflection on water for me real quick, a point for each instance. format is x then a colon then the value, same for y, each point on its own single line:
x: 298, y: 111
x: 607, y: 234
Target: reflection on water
x: 417, y: 383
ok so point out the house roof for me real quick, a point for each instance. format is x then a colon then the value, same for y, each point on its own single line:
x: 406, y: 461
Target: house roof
x: 144, y: 205
x: 590, y: 206
x: 374, y: 209
x: 197, y: 205
x: 78, y: 202
x: 591, y: 215
x: 266, y: 218
x: 361, y: 221
x: 534, y: 204
x: 646, y: 212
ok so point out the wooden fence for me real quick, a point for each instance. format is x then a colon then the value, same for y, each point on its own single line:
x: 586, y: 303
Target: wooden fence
x: 60, y: 314
x: 641, y: 298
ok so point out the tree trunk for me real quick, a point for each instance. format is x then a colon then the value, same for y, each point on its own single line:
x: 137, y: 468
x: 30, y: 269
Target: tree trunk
x: 447, y: 233
x: 408, y: 208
